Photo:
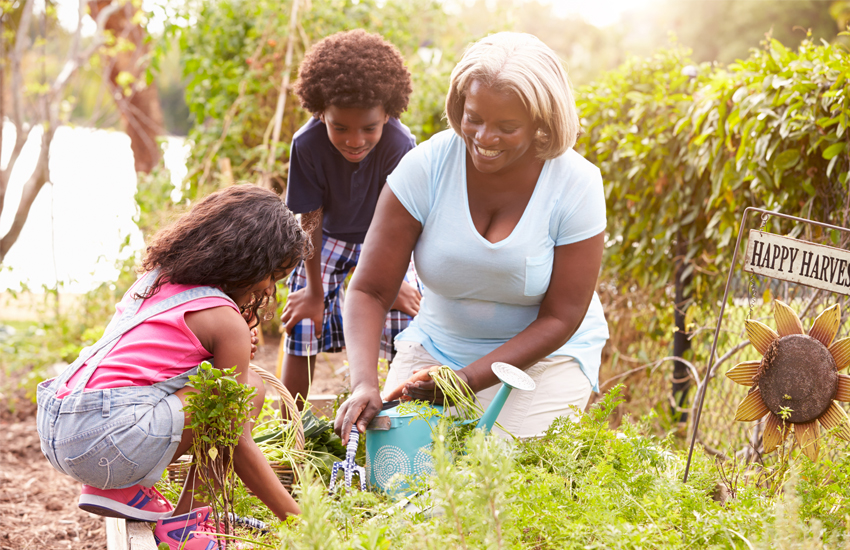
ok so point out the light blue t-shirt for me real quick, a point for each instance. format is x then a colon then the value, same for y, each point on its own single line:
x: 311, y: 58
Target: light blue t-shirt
x: 478, y: 294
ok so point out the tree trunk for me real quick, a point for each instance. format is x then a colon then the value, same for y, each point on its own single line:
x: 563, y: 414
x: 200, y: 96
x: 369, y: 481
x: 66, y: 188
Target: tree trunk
x: 39, y: 177
x: 681, y: 344
x: 138, y: 102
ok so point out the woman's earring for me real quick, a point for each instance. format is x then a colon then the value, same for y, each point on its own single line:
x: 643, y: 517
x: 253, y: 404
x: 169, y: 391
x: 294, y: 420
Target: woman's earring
x: 540, y: 136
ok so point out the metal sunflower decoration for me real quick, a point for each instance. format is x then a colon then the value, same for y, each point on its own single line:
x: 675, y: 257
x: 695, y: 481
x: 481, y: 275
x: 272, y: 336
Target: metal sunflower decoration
x: 796, y: 382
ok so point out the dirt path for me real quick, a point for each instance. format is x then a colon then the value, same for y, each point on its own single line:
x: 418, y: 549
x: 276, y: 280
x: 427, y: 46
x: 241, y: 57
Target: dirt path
x: 38, y: 505
x: 331, y: 370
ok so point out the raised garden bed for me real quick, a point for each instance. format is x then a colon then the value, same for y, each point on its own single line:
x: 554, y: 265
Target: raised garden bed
x: 128, y: 535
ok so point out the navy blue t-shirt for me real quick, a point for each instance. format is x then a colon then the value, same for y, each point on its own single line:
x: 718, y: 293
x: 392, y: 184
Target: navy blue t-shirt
x: 347, y: 192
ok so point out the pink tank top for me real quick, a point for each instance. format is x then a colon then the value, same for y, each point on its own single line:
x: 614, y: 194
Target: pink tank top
x: 158, y: 349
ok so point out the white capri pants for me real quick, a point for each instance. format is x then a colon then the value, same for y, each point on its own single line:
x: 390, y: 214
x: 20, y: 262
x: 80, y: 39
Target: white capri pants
x: 561, y: 385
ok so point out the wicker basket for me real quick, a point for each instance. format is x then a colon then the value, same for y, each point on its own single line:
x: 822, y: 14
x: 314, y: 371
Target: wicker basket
x: 177, y: 471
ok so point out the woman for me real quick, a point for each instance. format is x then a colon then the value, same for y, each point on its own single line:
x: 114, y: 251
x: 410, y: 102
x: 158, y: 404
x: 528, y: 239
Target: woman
x: 506, y: 223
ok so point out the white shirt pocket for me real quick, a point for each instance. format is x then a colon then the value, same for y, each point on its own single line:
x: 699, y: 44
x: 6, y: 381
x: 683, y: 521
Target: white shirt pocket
x: 538, y: 272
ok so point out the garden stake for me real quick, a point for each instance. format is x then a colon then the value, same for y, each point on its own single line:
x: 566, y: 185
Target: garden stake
x: 348, y: 465
x: 703, y: 387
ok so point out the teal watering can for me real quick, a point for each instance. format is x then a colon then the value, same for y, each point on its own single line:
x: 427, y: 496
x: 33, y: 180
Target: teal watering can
x: 399, y: 444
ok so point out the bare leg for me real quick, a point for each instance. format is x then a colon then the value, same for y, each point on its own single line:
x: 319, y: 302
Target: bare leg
x: 297, y: 373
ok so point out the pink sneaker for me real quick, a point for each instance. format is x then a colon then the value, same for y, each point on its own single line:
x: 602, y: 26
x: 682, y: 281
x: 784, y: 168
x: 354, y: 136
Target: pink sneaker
x: 136, y: 503
x: 192, y: 531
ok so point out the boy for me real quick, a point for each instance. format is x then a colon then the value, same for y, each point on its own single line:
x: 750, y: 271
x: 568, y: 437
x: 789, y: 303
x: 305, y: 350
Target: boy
x: 356, y: 86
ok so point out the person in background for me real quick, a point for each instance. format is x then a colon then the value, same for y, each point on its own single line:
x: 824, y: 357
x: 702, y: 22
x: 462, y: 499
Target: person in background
x: 356, y: 85
x: 506, y: 222
x: 114, y: 419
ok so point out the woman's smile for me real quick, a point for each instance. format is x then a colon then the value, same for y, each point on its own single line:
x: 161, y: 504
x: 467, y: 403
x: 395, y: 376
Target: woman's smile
x: 497, y: 128
x: 489, y: 153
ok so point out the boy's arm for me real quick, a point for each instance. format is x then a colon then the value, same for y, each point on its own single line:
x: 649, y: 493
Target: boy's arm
x: 308, y: 302
x: 408, y: 299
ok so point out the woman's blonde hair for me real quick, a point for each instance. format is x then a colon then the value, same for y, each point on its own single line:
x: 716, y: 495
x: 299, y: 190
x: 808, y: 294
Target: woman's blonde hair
x: 524, y: 65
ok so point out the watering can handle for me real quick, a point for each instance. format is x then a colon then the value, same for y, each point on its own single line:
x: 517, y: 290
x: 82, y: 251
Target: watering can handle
x: 492, y: 413
x: 511, y: 378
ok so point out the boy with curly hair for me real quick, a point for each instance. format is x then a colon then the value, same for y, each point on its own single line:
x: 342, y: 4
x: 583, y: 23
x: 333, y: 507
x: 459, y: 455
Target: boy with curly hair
x: 356, y: 86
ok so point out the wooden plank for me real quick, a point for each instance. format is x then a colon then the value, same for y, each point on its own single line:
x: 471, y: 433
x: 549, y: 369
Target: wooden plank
x: 129, y: 535
x: 797, y: 261
x: 116, y: 534
x: 140, y: 536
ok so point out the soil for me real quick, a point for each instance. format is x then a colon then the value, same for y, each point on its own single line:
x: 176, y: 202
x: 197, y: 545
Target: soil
x: 38, y: 505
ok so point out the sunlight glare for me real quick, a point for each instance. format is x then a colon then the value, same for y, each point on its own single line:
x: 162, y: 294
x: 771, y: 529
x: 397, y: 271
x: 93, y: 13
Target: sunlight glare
x: 599, y: 13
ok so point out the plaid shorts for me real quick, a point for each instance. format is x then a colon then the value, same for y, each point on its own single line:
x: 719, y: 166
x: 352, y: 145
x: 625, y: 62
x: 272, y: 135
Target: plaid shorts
x: 338, y: 259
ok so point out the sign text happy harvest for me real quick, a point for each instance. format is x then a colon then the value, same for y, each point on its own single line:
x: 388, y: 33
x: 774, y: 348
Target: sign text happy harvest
x: 798, y: 261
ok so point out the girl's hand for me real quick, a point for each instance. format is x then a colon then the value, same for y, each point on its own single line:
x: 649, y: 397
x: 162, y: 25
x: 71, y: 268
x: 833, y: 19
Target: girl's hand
x: 255, y: 339
x: 408, y: 299
x: 303, y: 304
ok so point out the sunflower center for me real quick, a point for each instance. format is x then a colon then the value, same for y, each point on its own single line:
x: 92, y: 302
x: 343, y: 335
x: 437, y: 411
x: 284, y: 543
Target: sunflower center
x: 797, y: 378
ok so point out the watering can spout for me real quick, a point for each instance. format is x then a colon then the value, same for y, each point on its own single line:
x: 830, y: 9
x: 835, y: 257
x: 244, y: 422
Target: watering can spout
x: 511, y: 378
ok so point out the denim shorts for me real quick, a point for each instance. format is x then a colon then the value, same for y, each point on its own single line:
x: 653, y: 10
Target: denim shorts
x: 112, y: 438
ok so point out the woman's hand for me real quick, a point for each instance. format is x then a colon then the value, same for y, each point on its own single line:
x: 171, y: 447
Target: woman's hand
x: 421, y: 387
x: 408, y: 299
x: 303, y: 304
x: 360, y: 408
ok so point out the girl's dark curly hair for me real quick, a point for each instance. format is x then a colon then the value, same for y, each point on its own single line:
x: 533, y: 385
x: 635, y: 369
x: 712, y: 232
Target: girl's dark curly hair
x: 354, y: 69
x: 232, y: 239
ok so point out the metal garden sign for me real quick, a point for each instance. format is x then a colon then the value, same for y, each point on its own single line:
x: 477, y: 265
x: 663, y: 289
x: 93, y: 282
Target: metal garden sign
x: 796, y: 383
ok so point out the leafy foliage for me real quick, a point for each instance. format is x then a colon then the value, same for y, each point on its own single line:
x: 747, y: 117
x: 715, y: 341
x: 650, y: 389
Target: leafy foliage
x: 583, y: 485
x: 219, y: 407
x: 778, y: 131
x: 682, y: 156
x: 233, y: 54
x: 630, y: 121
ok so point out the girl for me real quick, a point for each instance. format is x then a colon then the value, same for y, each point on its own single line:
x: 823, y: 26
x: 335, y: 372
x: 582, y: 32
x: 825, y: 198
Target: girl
x: 113, y: 420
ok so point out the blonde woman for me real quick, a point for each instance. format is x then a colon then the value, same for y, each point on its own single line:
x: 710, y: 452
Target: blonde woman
x: 506, y: 223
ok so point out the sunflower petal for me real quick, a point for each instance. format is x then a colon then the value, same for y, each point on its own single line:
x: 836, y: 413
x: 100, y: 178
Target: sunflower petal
x: 751, y: 408
x: 807, y: 434
x: 761, y: 335
x: 826, y: 325
x: 787, y: 321
x: 835, y: 417
x: 843, y: 393
x: 840, y: 351
x: 775, y: 432
x: 743, y: 373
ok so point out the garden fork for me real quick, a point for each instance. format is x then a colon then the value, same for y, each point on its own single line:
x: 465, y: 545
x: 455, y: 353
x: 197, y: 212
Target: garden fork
x: 348, y: 465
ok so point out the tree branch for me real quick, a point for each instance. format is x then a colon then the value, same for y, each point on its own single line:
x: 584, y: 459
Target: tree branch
x: 17, y: 91
x: 75, y: 60
x: 36, y: 181
x: 47, y: 112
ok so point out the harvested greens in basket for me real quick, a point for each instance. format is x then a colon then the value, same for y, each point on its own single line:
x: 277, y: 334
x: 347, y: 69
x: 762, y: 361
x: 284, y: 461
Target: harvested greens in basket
x: 276, y: 438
